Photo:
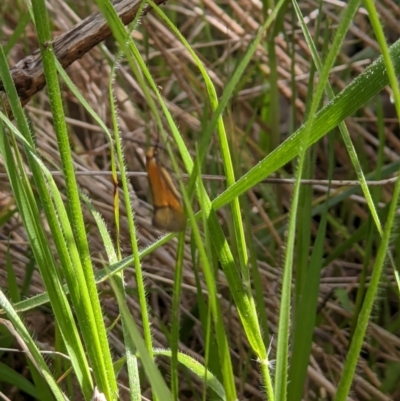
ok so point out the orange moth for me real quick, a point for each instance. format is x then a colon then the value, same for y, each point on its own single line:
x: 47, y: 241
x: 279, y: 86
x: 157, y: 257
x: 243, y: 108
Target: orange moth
x: 168, y: 209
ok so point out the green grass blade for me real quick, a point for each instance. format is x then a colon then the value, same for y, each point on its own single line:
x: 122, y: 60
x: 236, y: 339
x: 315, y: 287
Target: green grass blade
x: 346, y: 20
x: 364, y: 317
x: 176, y: 300
x: 32, y: 220
x: 9, y: 375
x: 354, y: 96
x: 93, y: 329
x: 132, y: 363
x: 12, y: 287
x: 131, y: 360
x: 132, y: 229
x: 15, y: 324
x: 159, y: 388
x: 198, y: 369
x: 243, y: 301
x: 284, y: 316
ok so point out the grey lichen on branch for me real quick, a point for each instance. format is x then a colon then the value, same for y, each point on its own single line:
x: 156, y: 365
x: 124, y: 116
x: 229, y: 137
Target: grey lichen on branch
x: 28, y: 73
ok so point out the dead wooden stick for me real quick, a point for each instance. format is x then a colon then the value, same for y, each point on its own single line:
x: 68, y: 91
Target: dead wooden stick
x: 28, y: 73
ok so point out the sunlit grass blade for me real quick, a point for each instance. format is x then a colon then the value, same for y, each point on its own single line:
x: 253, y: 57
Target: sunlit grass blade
x: 284, y: 317
x: 244, y: 303
x: 196, y: 368
x: 254, y: 335
x: 101, y: 276
x: 131, y: 360
x: 346, y: 20
x: 93, y: 328
x: 364, y: 317
x: 354, y: 96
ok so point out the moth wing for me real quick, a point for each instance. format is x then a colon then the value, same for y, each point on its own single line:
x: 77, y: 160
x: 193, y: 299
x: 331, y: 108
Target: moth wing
x: 169, y: 219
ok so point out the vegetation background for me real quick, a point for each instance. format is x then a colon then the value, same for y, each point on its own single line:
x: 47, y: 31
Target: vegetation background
x: 285, y: 286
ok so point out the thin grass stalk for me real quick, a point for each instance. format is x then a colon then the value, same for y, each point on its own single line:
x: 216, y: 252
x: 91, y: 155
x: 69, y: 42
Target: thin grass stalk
x: 246, y: 308
x: 118, y: 29
x: 357, y: 341
x: 131, y: 359
x: 284, y: 313
x: 204, y: 308
x: 223, y: 346
x: 17, y: 33
x: 175, y: 317
x: 274, y: 112
x: 233, y: 83
x: 371, y: 236
x: 304, y: 229
x: 307, y: 304
x: 207, y: 348
x: 132, y: 364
